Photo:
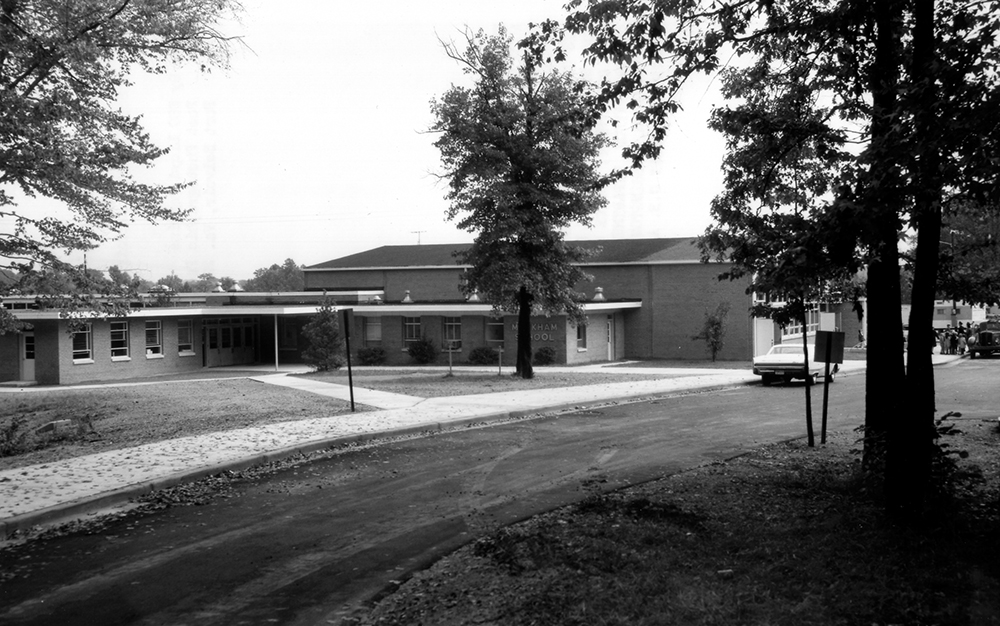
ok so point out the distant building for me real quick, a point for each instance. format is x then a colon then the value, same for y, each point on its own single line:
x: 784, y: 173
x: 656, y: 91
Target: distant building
x: 648, y: 300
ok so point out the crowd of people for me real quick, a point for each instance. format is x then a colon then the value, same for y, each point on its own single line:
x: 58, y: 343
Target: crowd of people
x: 955, y: 340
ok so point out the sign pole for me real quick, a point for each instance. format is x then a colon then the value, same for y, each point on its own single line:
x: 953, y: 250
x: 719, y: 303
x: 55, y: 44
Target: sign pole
x: 826, y: 391
x: 348, y: 318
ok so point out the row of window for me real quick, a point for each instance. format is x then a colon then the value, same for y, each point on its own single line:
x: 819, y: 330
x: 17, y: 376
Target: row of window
x: 451, y: 331
x: 121, y: 348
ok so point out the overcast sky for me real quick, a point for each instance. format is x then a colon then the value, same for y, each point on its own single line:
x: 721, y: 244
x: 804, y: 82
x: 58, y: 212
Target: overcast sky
x: 311, y: 146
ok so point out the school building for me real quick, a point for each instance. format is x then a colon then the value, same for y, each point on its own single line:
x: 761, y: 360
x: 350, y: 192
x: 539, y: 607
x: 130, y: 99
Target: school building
x: 648, y: 300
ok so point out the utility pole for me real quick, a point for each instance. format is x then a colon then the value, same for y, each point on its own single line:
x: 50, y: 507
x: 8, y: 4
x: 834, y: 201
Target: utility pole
x: 417, y: 233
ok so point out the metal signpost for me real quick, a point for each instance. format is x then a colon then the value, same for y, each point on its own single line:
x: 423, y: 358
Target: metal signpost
x: 348, y: 321
x: 831, y: 345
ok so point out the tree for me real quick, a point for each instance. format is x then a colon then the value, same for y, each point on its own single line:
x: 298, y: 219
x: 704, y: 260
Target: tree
x: 521, y: 158
x: 325, y: 351
x: 172, y: 282
x: 285, y: 277
x: 62, y: 136
x: 848, y: 118
x: 713, y: 330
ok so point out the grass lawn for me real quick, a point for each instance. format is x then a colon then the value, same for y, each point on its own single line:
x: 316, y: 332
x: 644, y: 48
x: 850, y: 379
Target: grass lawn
x: 439, y: 384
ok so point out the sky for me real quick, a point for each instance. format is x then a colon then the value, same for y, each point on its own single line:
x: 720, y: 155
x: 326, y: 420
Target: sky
x: 312, y: 144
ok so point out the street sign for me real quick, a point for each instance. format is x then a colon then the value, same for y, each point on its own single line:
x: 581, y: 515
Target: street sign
x: 830, y: 346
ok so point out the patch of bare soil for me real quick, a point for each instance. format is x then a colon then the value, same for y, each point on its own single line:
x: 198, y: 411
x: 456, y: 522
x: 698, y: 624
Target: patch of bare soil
x: 784, y: 535
x: 87, y: 421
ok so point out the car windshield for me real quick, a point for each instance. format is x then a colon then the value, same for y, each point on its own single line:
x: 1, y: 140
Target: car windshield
x: 789, y: 349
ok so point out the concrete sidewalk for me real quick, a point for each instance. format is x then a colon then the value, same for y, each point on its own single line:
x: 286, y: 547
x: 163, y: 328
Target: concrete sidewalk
x: 59, y: 491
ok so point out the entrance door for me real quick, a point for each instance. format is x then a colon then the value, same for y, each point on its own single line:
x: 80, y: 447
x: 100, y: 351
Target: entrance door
x: 28, y: 356
x: 611, y: 337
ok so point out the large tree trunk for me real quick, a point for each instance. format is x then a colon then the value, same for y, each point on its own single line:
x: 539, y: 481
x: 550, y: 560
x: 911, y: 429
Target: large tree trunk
x: 885, y: 371
x: 912, y: 434
x: 523, y: 365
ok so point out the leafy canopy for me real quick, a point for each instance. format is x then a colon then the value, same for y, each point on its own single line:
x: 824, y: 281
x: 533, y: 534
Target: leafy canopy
x: 521, y: 157
x: 63, y: 136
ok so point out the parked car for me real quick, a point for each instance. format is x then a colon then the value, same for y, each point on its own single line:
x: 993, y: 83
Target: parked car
x: 784, y: 362
x: 986, y: 340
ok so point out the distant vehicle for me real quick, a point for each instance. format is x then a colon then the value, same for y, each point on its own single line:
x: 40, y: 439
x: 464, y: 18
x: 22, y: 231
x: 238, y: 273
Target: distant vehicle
x: 784, y: 362
x: 986, y: 340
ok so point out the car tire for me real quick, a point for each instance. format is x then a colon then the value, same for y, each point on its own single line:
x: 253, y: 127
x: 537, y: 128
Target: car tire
x: 810, y: 379
x: 766, y: 380
x: 787, y: 379
x: 832, y: 377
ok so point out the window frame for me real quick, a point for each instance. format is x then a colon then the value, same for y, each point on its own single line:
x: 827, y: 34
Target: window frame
x: 154, y: 350
x: 83, y: 355
x: 452, y: 325
x: 581, y: 337
x: 185, y: 348
x: 411, y: 330
x: 124, y: 351
x: 494, y: 323
x: 368, y: 328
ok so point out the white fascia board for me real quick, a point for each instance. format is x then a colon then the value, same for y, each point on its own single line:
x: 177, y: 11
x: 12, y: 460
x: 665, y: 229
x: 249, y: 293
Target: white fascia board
x: 380, y: 268
x: 383, y: 309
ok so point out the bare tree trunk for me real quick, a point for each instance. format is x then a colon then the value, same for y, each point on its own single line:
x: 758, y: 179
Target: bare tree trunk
x: 523, y: 366
x: 885, y: 327
x: 912, y: 433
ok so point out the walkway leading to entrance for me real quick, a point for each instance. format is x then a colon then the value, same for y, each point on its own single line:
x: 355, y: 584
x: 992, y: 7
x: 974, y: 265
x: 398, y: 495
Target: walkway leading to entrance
x: 370, y: 397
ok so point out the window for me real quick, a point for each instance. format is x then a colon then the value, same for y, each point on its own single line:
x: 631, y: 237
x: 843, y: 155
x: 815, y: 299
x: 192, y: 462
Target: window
x: 29, y: 347
x: 227, y: 337
x: 494, y: 330
x: 119, y: 340
x: 794, y: 329
x: 185, y: 337
x: 411, y: 328
x: 372, y: 331
x: 453, y: 333
x: 581, y: 337
x: 82, y: 344
x: 154, y: 339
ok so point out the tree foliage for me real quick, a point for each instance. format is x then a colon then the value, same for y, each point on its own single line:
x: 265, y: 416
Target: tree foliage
x: 713, y: 329
x: 847, y: 124
x: 285, y: 277
x: 325, y: 350
x: 62, y: 135
x: 520, y: 154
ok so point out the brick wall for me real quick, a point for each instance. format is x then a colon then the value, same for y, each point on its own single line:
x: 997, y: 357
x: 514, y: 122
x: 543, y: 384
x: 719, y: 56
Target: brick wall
x: 139, y: 364
x: 424, y: 284
x: 675, y: 299
x: 10, y: 357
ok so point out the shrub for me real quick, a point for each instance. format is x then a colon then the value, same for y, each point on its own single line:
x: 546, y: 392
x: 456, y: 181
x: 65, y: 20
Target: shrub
x: 15, y: 437
x: 326, y: 345
x: 483, y: 355
x: 422, y: 351
x: 371, y: 356
x: 545, y: 355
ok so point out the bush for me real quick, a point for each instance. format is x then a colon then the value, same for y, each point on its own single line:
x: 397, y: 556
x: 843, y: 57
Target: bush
x: 371, y: 356
x: 325, y: 349
x: 15, y: 438
x: 422, y: 351
x: 545, y: 356
x: 483, y: 356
